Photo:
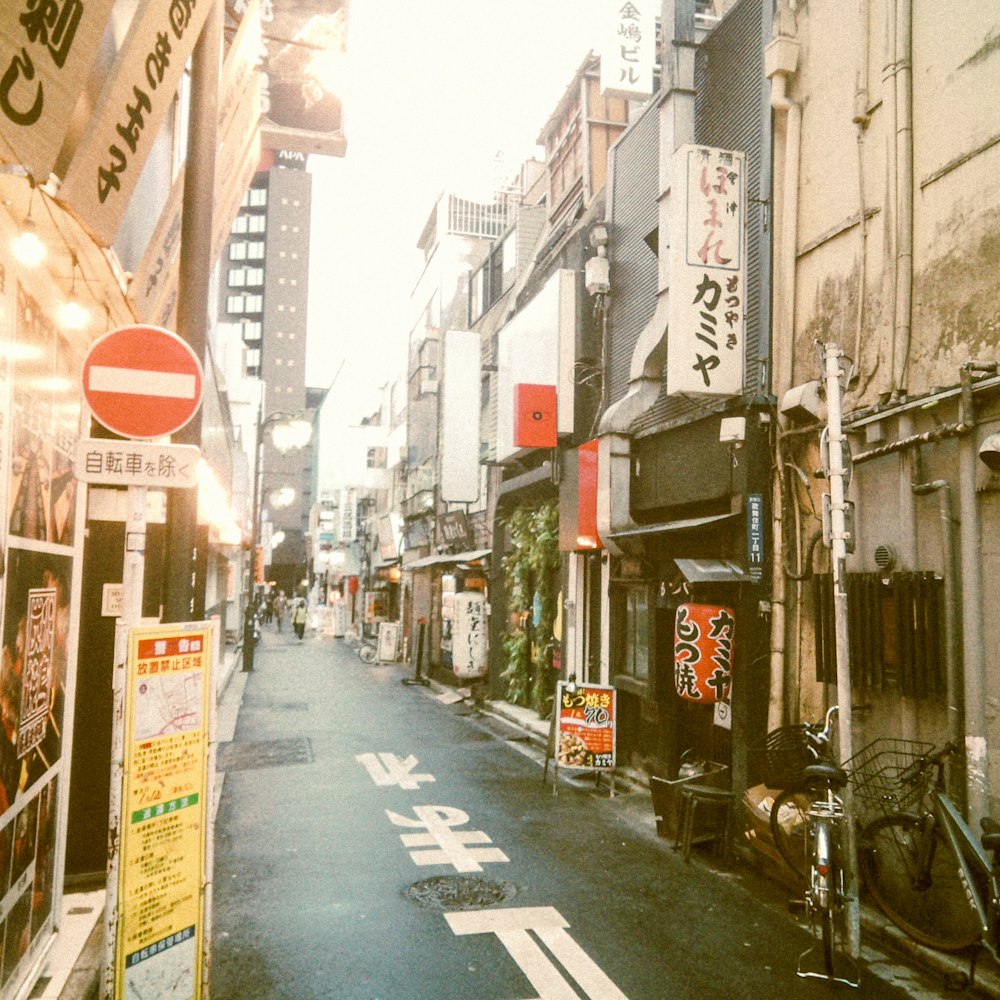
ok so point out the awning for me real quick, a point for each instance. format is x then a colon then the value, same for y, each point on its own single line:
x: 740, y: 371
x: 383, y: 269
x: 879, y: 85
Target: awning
x: 712, y: 571
x: 668, y: 527
x: 448, y: 557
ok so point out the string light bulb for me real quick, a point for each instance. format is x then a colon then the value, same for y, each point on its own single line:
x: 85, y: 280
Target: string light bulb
x: 73, y: 314
x: 28, y: 248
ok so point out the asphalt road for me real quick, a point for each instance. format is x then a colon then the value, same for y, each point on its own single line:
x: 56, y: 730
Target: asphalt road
x: 356, y: 808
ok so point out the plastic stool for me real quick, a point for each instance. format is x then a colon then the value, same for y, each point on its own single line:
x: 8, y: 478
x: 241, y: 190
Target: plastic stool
x: 698, y: 798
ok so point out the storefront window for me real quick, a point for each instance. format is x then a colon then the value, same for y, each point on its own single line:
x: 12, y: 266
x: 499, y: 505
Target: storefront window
x: 636, y: 633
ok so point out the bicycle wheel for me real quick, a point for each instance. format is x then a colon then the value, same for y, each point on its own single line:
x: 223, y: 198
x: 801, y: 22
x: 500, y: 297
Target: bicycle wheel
x: 790, y: 830
x: 367, y: 653
x: 932, y: 906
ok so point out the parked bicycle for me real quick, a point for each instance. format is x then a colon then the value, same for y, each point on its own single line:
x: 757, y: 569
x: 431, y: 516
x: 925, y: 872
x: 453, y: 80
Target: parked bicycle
x: 807, y: 820
x: 923, y: 865
x: 365, y: 647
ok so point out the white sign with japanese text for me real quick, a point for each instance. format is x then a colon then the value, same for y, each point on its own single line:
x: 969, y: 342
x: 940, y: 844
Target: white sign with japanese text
x: 628, y: 54
x: 136, y: 463
x: 707, y: 325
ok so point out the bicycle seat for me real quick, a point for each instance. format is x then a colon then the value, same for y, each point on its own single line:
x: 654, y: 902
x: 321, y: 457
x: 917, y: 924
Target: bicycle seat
x: 823, y: 774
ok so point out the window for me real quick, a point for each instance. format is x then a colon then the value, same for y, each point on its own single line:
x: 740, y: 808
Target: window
x: 255, y: 276
x: 254, y: 303
x: 234, y: 303
x: 237, y: 277
x: 251, y: 330
x: 253, y: 360
x: 255, y: 251
x: 238, y: 251
x: 240, y: 224
x: 258, y: 196
x: 256, y: 224
x: 372, y: 458
x: 634, y: 654
x: 494, y: 277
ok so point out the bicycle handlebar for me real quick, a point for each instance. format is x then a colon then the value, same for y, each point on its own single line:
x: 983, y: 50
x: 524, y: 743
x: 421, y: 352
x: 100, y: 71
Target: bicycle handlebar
x: 933, y: 758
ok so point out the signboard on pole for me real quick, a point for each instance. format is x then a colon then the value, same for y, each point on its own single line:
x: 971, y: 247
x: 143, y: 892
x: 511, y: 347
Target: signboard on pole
x: 708, y: 273
x: 142, y: 381
x: 136, y: 463
x: 163, y: 828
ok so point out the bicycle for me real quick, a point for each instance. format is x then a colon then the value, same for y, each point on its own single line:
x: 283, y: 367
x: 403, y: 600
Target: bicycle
x: 806, y: 820
x: 922, y: 864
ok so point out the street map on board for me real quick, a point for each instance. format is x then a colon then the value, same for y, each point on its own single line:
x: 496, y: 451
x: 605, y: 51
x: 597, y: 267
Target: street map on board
x: 168, y: 703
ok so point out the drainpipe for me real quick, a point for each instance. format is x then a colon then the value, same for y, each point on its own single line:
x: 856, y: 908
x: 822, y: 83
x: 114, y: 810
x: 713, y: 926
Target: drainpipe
x: 904, y: 189
x: 952, y: 673
x: 973, y: 658
x: 907, y: 549
x: 780, y: 61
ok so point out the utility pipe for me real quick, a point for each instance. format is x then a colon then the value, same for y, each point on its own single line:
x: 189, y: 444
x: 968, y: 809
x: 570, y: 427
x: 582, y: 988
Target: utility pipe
x: 973, y: 658
x: 953, y: 677
x: 781, y: 59
x: 903, y: 78
x: 907, y: 549
x: 834, y: 372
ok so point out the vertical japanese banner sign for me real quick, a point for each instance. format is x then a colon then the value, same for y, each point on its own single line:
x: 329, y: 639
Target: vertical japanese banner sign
x: 586, y: 719
x: 707, y: 319
x: 161, y: 912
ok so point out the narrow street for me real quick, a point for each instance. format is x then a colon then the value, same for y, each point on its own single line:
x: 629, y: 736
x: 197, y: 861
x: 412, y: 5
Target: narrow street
x: 355, y: 808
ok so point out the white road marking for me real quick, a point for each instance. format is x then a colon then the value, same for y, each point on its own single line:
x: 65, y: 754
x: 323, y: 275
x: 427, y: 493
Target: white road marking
x: 513, y: 927
x: 136, y: 382
x: 387, y: 769
x: 454, y: 850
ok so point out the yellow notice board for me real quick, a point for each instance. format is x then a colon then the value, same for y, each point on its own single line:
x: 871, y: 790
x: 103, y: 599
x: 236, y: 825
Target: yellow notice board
x: 164, y: 813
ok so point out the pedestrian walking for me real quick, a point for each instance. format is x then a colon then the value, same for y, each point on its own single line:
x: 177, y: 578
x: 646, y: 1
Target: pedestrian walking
x: 279, y: 608
x: 299, y: 614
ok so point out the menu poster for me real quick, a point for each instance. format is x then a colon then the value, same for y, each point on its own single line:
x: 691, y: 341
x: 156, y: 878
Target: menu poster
x: 585, y: 726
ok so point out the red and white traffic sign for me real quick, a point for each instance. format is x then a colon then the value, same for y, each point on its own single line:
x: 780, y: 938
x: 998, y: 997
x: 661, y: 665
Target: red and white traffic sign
x: 142, y: 381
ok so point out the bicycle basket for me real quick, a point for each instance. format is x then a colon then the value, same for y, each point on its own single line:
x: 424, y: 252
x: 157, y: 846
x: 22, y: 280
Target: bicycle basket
x: 877, y: 777
x: 783, y: 758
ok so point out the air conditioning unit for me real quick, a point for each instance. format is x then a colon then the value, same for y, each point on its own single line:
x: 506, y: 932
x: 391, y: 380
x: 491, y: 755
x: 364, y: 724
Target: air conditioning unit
x: 428, y: 386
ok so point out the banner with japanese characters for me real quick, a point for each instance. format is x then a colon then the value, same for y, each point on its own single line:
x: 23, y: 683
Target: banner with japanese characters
x: 162, y: 871
x: 46, y: 52
x: 706, y: 338
x: 133, y: 104
x: 628, y: 52
x: 585, y: 726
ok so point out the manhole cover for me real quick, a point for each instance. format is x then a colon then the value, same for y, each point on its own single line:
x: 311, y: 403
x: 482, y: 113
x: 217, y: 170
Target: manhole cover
x: 266, y: 753
x: 459, y: 892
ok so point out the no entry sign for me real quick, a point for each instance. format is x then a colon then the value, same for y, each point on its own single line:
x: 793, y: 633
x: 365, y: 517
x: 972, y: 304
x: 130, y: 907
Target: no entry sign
x: 142, y: 381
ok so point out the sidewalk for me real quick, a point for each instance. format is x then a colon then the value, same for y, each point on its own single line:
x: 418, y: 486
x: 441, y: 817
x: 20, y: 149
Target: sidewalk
x: 74, y: 966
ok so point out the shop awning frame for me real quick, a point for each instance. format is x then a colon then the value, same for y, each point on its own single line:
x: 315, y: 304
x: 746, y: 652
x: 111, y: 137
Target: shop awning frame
x: 670, y: 527
x: 440, y: 558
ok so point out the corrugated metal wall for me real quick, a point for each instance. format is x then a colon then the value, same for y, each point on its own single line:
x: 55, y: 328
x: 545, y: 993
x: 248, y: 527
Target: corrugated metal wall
x: 633, y: 214
x: 730, y: 111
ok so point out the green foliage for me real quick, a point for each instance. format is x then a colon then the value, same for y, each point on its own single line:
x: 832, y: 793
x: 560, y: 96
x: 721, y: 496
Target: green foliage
x: 532, y: 568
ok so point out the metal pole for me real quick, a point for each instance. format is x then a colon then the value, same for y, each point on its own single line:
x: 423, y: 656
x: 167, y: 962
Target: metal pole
x: 833, y: 372
x: 248, y: 621
x: 133, y: 574
x: 192, y: 304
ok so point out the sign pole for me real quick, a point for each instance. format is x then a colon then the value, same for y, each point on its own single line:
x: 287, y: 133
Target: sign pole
x: 133, y: 576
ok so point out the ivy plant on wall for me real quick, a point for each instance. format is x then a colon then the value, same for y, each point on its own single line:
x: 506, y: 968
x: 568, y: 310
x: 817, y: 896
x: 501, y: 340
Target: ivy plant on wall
x: 531, y: 577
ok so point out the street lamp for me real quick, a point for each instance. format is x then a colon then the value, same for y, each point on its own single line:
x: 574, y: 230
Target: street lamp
x: 288, y: 431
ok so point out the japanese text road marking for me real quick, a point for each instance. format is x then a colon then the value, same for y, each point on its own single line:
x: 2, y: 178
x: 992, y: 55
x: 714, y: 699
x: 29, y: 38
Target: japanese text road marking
x: 388, y: 769
x: 512, y: 927
x: 439, y: 822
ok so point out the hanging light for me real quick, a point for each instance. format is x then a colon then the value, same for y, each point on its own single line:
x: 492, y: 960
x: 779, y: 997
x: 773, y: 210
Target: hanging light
x: 28, y: 248
x: 73, y: 314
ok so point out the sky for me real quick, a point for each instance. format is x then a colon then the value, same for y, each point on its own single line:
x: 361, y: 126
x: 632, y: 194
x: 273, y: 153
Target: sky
x: 434, y: 91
